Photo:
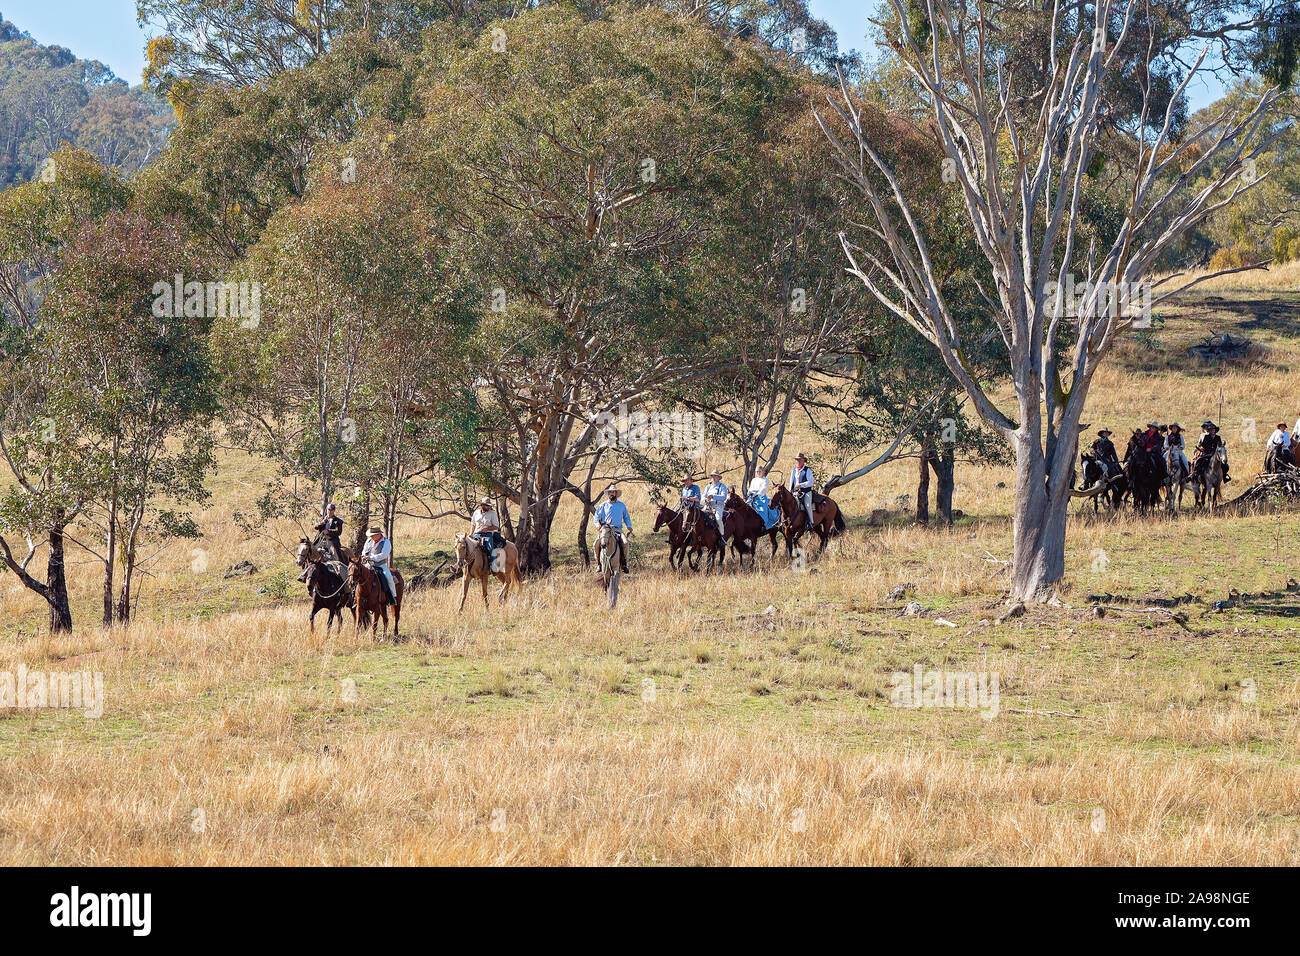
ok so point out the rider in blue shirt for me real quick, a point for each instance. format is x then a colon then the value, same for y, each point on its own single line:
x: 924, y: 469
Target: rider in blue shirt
x: 614, y: 513
x: 690, y: 491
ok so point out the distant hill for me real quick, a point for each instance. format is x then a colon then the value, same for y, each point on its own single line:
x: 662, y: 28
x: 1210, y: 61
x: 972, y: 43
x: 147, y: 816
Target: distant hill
x: 49, y: 96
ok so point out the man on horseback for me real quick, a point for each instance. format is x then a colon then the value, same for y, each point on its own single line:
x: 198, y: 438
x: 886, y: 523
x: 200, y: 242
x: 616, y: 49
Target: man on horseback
x: 801, y: 484
x: 485, y: 529
x: 1207, y: 448
x: 715, y: 498
x: 1278, y: 450
x: 614, y: 514
x: 331, y: 529
x: 690, y: 493
x: 1103, y: 450
x: 376, y: 555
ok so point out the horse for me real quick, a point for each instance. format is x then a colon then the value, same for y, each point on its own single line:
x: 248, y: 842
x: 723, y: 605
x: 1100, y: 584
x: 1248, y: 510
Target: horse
x: 828, y: 520
x: 1176, y: 479
x: 372, y: 601
x: 1207, y: 484
x: 678, y: 535
x: 1094, y: 474
x: 471, y: 559
x: 329, y: 590
x: 742, y: 523
x: 704, y: 535
x: 1145, y: 475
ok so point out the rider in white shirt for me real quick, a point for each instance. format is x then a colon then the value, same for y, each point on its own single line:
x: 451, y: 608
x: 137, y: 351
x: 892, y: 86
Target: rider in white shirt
x: 759, y: 495
x: 1281, y: 440
x: 801, y: 483
x: 715, y: 497
x: 377, y: 554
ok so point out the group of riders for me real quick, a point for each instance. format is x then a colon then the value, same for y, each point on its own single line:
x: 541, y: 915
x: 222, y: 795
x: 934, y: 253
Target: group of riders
x: 1166, y: 445
x: 1162, y: 443
x: 485, y: 525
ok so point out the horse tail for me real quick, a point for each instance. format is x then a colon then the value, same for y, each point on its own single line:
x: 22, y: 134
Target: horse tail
x: 839, y: 522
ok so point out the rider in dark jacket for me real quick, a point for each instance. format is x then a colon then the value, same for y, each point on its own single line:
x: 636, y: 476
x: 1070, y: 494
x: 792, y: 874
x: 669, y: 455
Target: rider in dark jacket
x: 1103, y: 449
x: 1210, y: 443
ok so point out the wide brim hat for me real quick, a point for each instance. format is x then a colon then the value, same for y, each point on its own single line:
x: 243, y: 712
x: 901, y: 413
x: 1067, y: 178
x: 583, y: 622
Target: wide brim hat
x: 715, y: 473
x: 375, y: 530
x: 1176, y: 425
x: 1153, y: 424
x: 801, y: 457
x: 1209, y: 424
x: 1105, y: 432
x: 613, y: 490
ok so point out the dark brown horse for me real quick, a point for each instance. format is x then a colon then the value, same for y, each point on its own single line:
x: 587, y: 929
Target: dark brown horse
x: 372, y: 601
x: 329, y: 590
x: 1146, y: 474
x: 704, y: 536
x: 679, y: 538
x: 827, y: 521
x: 743, y: 524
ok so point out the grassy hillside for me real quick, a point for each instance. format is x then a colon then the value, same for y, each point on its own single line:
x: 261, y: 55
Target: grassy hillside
x: 733, y: 718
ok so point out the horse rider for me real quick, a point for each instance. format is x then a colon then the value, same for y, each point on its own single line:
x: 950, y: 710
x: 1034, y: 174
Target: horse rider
x: 485, y: 528
x: 690, y: 494
x: 376, y: 555
x: 715, y: 497
x: 801, y: 485
x: 1209, y: 444
x: 614, y: 514
x: 759, y: 495
x: 330, y: 527
x: 1152, y: 442
x: 1103, y: 450
x: 1279, y: 447
x: 1177, y: 441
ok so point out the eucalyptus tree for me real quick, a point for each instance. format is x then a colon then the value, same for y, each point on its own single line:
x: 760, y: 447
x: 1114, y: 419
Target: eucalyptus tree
x: 1019, y: 145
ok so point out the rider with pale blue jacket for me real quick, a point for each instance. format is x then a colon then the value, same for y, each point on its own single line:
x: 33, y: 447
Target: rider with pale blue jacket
x: 715, y: 497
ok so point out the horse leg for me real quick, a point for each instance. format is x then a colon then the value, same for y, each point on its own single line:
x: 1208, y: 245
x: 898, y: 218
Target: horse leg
x: 484, y: 580
x: 464, y: 591
x: 311, y: 621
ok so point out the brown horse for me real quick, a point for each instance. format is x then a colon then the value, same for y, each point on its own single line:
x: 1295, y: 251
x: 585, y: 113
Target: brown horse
x: 828, y: 520
x: 743, y: 524
x: 1145, y: 472
x: 704, y: 534
x: 678, y: 537
x: 372, y: 601
x: 470, y: 557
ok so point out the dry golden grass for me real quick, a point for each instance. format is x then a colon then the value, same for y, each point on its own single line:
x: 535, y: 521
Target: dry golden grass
x: 692, y: 725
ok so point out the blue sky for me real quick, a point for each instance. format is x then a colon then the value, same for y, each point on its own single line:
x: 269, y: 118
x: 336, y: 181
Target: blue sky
x: 106, y: 30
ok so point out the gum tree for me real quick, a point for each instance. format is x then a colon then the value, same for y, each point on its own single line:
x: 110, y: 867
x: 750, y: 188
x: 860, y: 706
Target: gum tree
x: 1020, y: 144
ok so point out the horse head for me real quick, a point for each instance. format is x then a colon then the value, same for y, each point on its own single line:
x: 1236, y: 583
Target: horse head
x: 664, y: 517
x: 304, y: 552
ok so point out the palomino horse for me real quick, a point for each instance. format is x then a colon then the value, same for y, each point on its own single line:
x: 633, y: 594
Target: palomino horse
x: 1145, y: 473
x: 828, y: 520
x: 1208, y: 485
x: 679, y: 538
x: 372, y: 601
x: 1177, y: 477
x: 743, y: 524
x: 705, y: 535
x: 471, y: 559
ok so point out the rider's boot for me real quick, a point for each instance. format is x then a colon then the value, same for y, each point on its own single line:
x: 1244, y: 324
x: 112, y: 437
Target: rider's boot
x: 303, y: 576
